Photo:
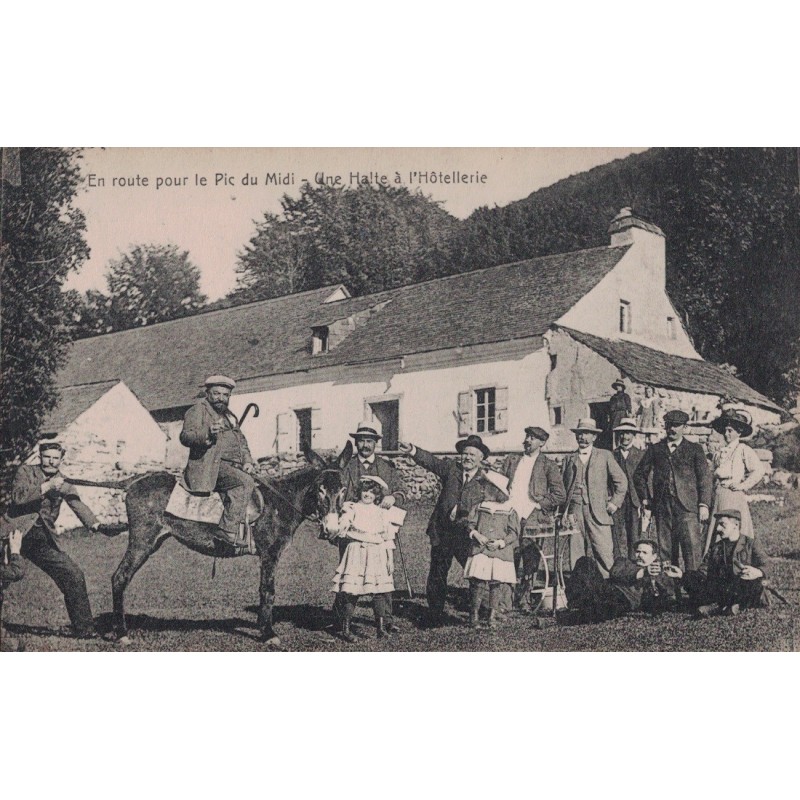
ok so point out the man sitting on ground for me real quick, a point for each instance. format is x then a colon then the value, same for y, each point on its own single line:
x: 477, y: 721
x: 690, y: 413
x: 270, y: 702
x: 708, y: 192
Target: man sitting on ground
x: 641, y: 584
x: 731, y: 577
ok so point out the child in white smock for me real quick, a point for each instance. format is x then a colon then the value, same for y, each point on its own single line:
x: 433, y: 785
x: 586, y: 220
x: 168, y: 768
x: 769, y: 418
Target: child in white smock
x: 367, y: 564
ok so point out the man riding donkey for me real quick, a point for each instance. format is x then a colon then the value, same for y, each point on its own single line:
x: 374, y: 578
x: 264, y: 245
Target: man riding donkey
x: 219, y: 458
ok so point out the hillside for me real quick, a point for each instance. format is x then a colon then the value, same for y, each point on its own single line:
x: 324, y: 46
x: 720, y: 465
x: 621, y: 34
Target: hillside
x: 732, y: 222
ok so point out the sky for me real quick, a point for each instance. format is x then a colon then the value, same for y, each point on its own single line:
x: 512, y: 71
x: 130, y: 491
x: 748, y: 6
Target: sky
x: 157, y: 195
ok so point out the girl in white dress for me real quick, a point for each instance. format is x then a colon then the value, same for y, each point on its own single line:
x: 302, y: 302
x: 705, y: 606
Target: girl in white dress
x: 367, y: 564
x: 736, y: 468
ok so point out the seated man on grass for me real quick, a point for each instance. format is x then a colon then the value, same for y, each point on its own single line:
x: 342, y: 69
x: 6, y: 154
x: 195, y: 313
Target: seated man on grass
x: 638, y: 584
x: 731, y: 576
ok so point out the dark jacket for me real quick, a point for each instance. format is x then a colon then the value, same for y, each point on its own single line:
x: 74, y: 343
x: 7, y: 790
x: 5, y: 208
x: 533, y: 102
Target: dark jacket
x: 497, y: 526
x: 465, y: 498
x: 546, y: 486
x: 645, y: 592
x: 722, y: 562
x: 29, y: 508
x: 205, y: 455
x: 629, y: 464
x: 352, y: 473
x: 692, y: 475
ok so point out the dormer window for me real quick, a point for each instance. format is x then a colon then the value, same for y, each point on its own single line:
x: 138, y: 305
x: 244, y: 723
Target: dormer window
x: 624, y: 316
x: 319, y: 340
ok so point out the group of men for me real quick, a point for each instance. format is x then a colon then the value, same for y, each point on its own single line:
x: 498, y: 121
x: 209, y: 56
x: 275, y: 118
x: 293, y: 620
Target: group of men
x: 603, y: 496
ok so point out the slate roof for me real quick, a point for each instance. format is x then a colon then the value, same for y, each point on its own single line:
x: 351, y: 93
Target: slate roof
x: 645, y: 365
x: 163, y: 364
x: 73, y: 401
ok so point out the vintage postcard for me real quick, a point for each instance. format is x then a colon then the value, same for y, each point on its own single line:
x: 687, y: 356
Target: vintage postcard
x: 347, y: 400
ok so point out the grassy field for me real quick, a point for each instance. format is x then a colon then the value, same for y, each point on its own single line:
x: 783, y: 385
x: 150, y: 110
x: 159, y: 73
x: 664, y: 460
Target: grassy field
x: 174, y: 604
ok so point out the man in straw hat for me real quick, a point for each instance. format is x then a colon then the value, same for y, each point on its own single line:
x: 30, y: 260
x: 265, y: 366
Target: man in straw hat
x: 589, y: 475
x: 366, y: 462
x: 452, y: 525
x: 627, y: 516
x: 731, y: 576
x: 219, y: 458
x: 680, y: 499
x: 536, y: 490
x: 36, y: 496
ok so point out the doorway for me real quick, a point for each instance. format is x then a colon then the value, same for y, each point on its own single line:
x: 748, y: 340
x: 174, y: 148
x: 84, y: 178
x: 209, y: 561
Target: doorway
x: 601, y: 414
x: 387, y: 413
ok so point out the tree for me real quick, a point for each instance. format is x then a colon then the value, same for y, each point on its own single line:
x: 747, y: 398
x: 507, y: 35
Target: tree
x: 370, y: 238
x: 151, y: 283
x: 41, y: 242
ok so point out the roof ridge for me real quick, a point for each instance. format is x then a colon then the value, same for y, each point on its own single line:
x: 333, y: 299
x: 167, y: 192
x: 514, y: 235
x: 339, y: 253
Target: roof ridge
x: 208, y: 313
x: 481, y: 269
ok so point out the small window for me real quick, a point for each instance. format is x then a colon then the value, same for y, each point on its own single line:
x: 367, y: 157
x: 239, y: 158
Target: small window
x: 553, y: 361
x: 624, y: 316
x: 557, y: 418
x: 319, y: 341
x: 485, y: 410
x: 671, y: 330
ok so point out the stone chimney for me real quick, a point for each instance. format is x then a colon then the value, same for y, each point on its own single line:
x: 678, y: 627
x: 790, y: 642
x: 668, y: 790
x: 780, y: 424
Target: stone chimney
x: 625, y: 227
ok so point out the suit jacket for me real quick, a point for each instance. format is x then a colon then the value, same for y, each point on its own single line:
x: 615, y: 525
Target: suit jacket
x: 721, y: 562
x: 205, y: 455
x: 692, y: 475
x: 464, y: 497
x: 546, y: 485
x: 29, y: 508
x: 386, y: 471
x: 638, y: 591
x: 629, y: 465
x: 605, y: 482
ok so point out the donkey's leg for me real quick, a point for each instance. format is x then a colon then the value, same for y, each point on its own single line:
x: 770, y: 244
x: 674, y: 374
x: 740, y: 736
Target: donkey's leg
x: 135, y: 556
x: 269, y: 563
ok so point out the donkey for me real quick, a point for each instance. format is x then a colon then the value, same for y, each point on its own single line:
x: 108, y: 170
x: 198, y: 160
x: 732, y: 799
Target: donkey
x: 288, y: 501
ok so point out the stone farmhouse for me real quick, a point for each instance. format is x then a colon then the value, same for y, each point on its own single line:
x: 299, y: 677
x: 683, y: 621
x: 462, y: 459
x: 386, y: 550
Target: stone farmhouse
x: 536, y: 342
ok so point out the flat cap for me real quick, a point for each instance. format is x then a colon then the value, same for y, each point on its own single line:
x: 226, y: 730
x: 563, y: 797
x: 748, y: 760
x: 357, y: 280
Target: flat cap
x: 676, y: 418
x: 539, y: 433
x: 220, y: 380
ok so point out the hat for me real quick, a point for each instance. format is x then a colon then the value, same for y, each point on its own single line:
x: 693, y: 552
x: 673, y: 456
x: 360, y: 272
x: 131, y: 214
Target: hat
x: 586, y: 424
x: 473, y: 441
x: 51, y: 446
x: 220, y: 380
x: 733, y: 513
x: 539, y: 433
x: 371, y: 430
x: 374, y: 479
x: 737, y: 419
x: 619, y: 383
x: 627, y: 424
x: 676, y: 418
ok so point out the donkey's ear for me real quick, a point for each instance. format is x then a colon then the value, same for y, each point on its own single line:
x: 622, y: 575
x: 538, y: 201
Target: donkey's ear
x: 315, y: 459
x: 344, y: 457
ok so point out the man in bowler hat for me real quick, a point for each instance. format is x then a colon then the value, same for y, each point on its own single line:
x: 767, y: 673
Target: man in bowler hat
x: 452, y: 525
x: 681, y: 491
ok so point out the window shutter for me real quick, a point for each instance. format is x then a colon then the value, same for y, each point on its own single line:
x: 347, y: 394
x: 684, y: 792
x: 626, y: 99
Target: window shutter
x: 501, y: 409
x: 464, y: 413
x: 316, y: 426
x: 285, y: 441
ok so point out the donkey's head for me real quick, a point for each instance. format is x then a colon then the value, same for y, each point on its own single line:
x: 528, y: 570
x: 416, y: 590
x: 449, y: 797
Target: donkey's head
x: 330, y: 487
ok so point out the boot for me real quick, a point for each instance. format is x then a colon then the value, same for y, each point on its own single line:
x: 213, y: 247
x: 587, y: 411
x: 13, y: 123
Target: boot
x: 475, y: 611
x: 383, y: 631
x: 347, y: 616
x: 492, y: 624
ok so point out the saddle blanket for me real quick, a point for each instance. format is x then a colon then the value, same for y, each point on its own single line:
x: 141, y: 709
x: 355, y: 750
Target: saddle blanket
x: 185, y: 505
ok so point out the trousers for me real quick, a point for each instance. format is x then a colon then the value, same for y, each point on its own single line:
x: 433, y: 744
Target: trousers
x: 626, y: 528
x: 450, y: 546
x: 702, y: 591
x: 526, y: 562
x: 679, y: 533
x: 237, y: 488
x: 66, y: 574
x: 598, y: 540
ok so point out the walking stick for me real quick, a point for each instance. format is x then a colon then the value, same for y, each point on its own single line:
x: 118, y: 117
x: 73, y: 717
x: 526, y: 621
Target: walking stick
x: 403, y: 563
x: 556, y: 531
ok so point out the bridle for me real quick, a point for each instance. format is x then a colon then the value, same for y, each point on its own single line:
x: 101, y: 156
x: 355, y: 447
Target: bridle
x: 269, y: 487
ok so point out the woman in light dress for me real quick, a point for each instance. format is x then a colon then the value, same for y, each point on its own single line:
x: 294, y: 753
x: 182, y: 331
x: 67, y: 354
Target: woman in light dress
x: 736, y: 468
x: 649, y: 412
x: 367, y: 564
